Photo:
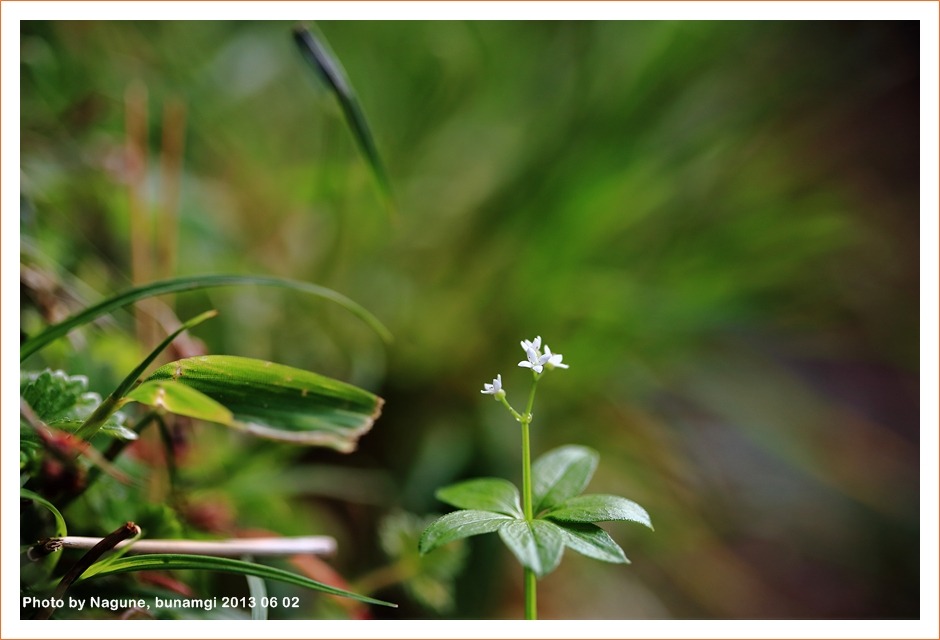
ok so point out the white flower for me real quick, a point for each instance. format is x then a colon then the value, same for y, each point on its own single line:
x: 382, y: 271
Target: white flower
x: 495, y: 388
x: 554, y: 359
x: 535, y: 345
x: 535, y: 361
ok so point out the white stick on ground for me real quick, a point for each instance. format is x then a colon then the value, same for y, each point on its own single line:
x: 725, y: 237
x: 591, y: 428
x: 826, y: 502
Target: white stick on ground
x: 233, y: 547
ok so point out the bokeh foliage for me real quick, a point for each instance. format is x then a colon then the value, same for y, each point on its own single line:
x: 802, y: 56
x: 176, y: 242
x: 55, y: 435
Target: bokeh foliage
x: 715, y: 222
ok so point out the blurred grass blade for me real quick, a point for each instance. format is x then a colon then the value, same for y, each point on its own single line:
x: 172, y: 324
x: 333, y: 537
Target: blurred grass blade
x: 259, y: 594
x: 316, y: 51
x: 279, y: 402
x: 191, y: 283
x: 169, y: 561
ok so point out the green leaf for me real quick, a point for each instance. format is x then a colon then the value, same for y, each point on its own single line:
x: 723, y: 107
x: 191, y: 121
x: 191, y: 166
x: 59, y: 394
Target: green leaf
x: 180, y: 399
x: 191, y: 283
x: 592, y: 541
x: 61, y: 530
x: 63, y: 402
x: 485, y: 494
x: 538, y: 545
x: 460, y: 524
x: 561, y: 474
x: 167, y: 561
x: 315, y: 50
x: 431, y: 580
x: 599, y: 508
x: 41, y: 570
x: 279, y: 402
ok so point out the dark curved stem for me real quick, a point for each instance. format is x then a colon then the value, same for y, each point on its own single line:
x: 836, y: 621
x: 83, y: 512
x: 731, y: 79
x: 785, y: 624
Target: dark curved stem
x: 125, y: 531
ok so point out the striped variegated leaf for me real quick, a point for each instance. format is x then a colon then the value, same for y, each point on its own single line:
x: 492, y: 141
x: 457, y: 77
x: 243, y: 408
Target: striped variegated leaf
x: 276, y: 401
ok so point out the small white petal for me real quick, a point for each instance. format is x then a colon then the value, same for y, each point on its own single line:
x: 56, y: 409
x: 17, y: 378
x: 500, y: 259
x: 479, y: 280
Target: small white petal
x: 525, y: 363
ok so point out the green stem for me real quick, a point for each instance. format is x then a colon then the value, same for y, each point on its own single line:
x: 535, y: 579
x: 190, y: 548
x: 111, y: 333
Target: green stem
x: 526, y: 472
x: 531, y: 612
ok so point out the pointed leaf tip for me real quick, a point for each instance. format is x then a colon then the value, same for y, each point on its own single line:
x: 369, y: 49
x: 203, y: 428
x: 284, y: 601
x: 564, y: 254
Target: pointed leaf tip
x: 486, y: 494
x: 561, y: 474
x: 599, y: 508
x: 538, y: 545
x: 460, y: 524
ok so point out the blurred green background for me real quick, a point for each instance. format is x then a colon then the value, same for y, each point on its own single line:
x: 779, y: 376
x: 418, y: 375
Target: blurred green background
x: 715, y: 222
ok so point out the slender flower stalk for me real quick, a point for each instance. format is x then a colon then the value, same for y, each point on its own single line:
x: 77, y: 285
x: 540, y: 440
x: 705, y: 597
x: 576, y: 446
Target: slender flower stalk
x: 539, y: 362
x: 531, y: 610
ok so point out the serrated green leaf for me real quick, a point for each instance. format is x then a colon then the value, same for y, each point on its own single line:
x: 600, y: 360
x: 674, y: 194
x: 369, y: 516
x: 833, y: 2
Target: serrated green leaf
x: 460, y: 524
x: 538, y: 545
x: 484, y: 494
x: 599, y: 508
x: 592, y: 541
x: 63, y: 402
x: 53, y: 394
x: 180, y: 399
x: 279, y: 402
x: 191, y: 283
x: 561, y: 474
x: 168, y: 561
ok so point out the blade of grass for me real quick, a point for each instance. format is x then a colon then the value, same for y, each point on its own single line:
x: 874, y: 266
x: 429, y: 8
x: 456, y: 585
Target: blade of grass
x: 61, y: 530
x: 259, y: 594
x: 165, y: 561
x: 44, y: 551
x: 315, y: 50
x: 111, y: 404
x: 191, y: 283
